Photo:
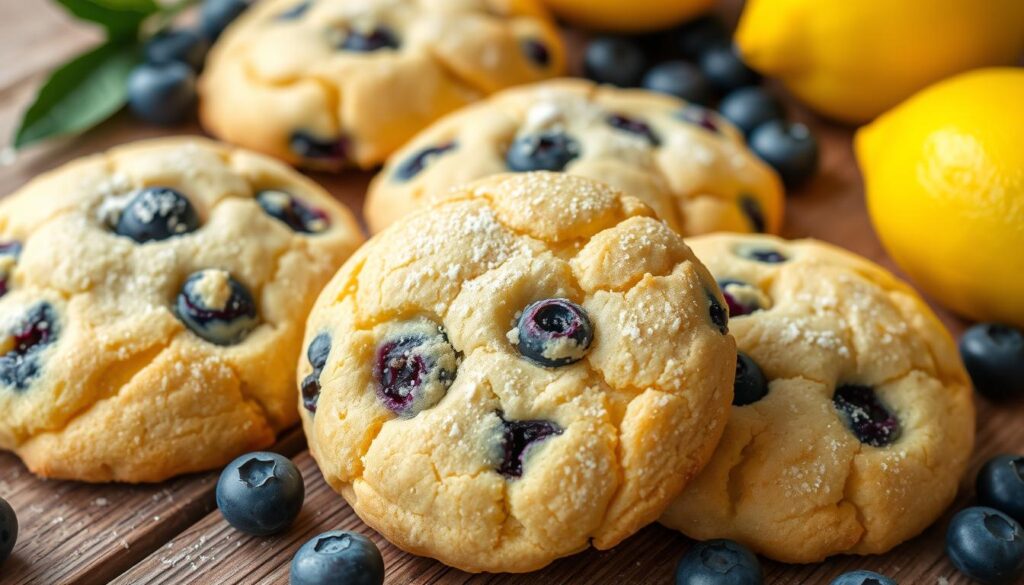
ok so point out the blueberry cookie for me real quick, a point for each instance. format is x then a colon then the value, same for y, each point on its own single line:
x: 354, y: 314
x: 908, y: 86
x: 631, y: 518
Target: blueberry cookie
x: 529, y: 367
x: 333, y: 83
x: 153, y: 306
x: 852, y: 421
x: 685, y: 162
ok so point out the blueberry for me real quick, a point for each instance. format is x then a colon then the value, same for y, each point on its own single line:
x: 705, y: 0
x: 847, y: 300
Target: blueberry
x: 519, y: 436
x: 414, y: 165
x: 726, y: 70
x: 763, y: 255
x: 295, y: 12
x: 36, y: 330
x: 414, y: 368
x: 699, y: 35
x: 750, y: 107
x: 156, y: 213
x: 8, y: 530
x: 337, y: 558
x: 680, y: 79
x: 994, y: 356
x: 700, y: 116
x: 260, y: 493
x: 751, y: 208
x: 719, y: 562
x: 614, y: 60
x: 790, y: 149
x: 537, y: 52
x: 1000, y: 485
x: 554, y: 332
x: 633, y: 126
x: 987, y: 546
x: 317, y: 354
x: 738, y: 304
x: 329, y: 152
x: 719, y: 316
x: 216, y: 307
x: 291, y: 211
x: 9, y: 250
x: 751, y: 384
x: 865, y: 415
x: 550, y: 150
x: 216, y: 15
x: 862, y: 578
x: 180, y: 45
x: 161, y: 94
x: 369, y: 41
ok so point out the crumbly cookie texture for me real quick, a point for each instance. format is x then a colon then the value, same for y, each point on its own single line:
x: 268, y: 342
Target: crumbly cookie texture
x: 332, y: 83
x: 529, y: 453
x: 152, y: 317
x: 868, y: 423
x: 687, y: 163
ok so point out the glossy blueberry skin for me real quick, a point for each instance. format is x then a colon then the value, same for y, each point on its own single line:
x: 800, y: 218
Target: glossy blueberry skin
x: 765, y: 255
x: 404, y: 369
x: 725, y: 69
x: 987, y: 546
x: 180, y: 45
x: 790, y: 149
x: 679, y: 79
x: 862, y: 578
x: 156, y: 213
x: 751, y: 384
x: 516, y: 437
x: 718, y: 314
x: 866, y: 416
x: 550, y: 150
x: 634, y: 126
x: 699, y: 35
x: 749, y: 107
x: 162, y: 94
x: 260, y: 493
x: 337, y: 558
x: 719, y: 562
x: 216, y: 15
x: 38, y: 329
x: 293, y: 212
x: 367, y: 42
x: 316, y: 353
x: 1000, y: 485
x: 553, y: 321
x: 227, y: 326
x: 8, y: 530
x: 414, y: 165
x: 994, y: 357
x: 614, y: 60
x: 329, y: 151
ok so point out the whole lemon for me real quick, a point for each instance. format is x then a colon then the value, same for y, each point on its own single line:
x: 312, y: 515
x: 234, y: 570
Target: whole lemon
x: 854, y: 59
x: 632, y: 16
x: 944, y: 175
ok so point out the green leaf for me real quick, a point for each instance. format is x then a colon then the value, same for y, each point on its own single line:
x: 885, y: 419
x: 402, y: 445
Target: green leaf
x: 80, y: 94
x: 121, y: 18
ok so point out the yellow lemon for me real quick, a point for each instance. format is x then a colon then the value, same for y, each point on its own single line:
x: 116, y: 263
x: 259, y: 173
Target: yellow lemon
x: 854, y: 59
x: 635, y: 15
x: 944, y: 175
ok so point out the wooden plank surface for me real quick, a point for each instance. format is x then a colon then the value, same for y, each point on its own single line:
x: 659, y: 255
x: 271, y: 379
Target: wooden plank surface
x: 170, y: 533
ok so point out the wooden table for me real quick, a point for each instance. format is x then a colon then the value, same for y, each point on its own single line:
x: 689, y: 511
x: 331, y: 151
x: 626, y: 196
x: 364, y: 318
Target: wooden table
x: 172, y: 533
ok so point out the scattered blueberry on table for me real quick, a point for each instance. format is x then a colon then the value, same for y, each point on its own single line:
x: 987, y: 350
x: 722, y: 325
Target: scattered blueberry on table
x: 790, y: 149
x: 216, y: 15
x: 8, y: 530
x: 719, y: 562
x: 180, y: 45
x: 260, y: 493
x: 337, y: 558
x: 681, y: 79
x: 1000, y: 485
x: 994, y: 357
x: 726, y: 70
x: 750, y: 107
x: 162, y: 94
x: 862, y: 578
x: 987, y: 546
x: 614, y: 60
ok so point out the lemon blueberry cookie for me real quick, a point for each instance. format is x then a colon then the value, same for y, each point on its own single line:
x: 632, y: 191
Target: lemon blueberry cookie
x: 852, y: 421
x: 531, y: 366
x: 330, y: 83
x: 688, y: 164
x: 153, y: 306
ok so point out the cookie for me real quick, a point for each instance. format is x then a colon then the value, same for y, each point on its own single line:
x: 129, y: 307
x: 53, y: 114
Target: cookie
x: 687, y: 163
x: 333, y: 83
x: 153, y: 306
x: 853, y: 420
x: 504, y: 378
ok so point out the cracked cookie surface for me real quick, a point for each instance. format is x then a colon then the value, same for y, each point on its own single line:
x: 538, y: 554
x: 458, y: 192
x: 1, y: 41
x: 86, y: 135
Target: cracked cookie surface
x: 866, y: 425
x: 346, y: 82
x: 154, y: 311
x: 685, y: 162
x: 514, y: 373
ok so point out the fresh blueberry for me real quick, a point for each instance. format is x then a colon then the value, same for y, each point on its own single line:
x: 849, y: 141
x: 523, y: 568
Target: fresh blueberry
x: 414, y: 165
x: 614, y: 60
x: 295, y: 12
x: 414, y: 369
x: 156, y: 213
x: 260, y: 493
x: 738, y: 305
x: 751, y: 384
x: 316, y: 353
x: 862, y: 578
x: 554, y: 332
x: 987, y: 546
x: 326, y: 152
x: 719, y: 316
x: 537, y: 52
x: 337, y: 558
x: 699, y: 35
x: 750, y: 107
x: 291, y: 211
x: 725, y: 69
x: 9, y: 253
x: 719, y: 562
x: 700, y: 116
x: 8, y: 530
x: 550, y: 150
x: 32, y: 334
x: 751, y: 208
x: 763, y: 255
x: 369, y: 41
x: 790, y: 149
x: 518, y: 437
x: 216, y: 15
x: 634, y: 126
x: 216, y: 307
x: 865, y: 415
x: 1000, y: 485
x: 162, y: 94
x: 994, y: 356
x: 180, y: 45
x: 680, y: 79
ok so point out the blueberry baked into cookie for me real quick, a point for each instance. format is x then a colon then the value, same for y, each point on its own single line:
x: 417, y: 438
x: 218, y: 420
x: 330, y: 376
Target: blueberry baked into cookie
x: 153, y: 306
x: 331, y: 83
x: 510, y: 375
x: 687, y: 163
x: 852, y: 421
